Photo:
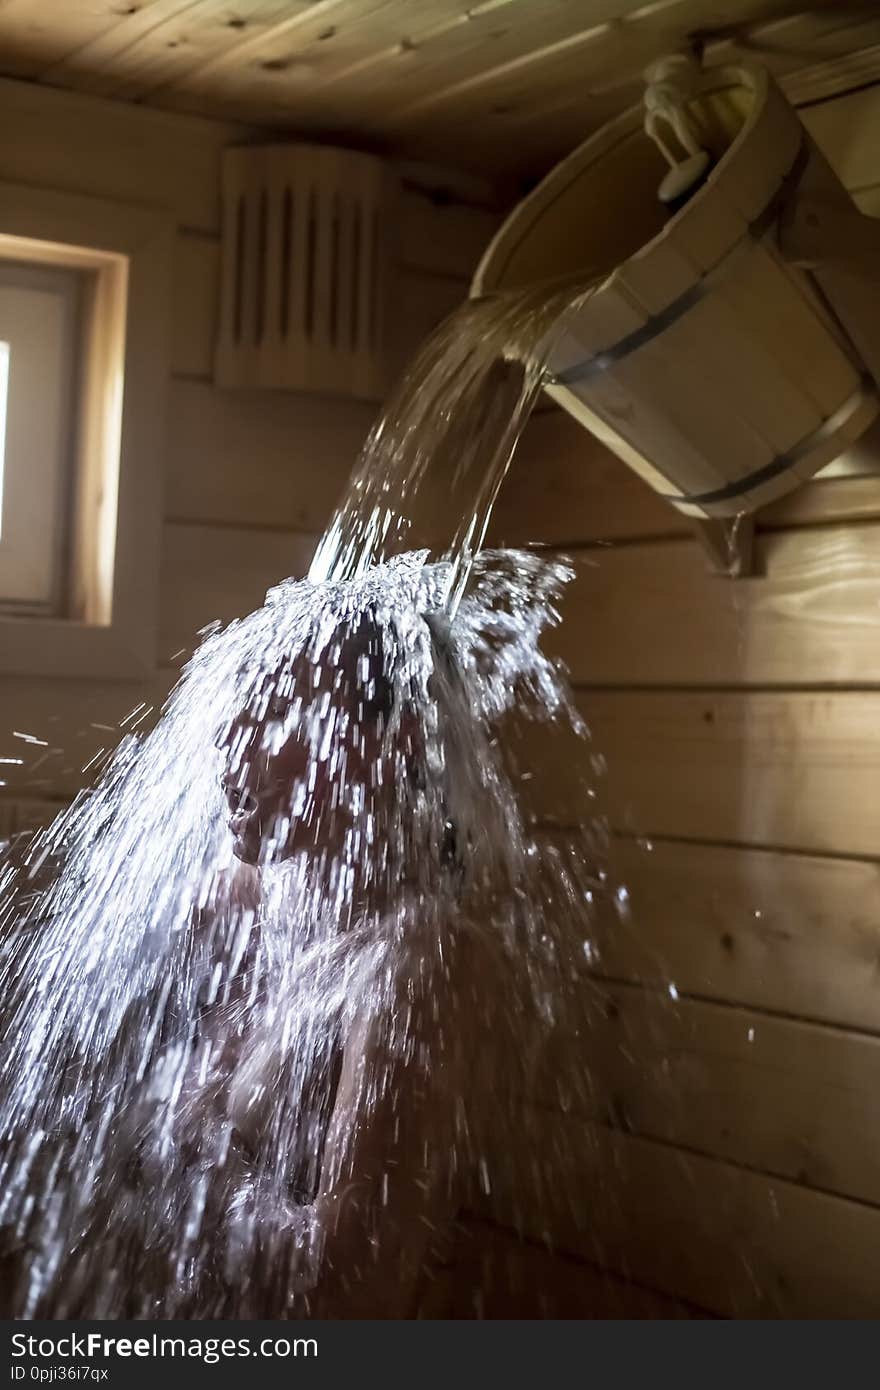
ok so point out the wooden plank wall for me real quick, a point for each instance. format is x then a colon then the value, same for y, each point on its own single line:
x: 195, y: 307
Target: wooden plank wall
x: 730, y: 1151
x: 728, y: 1159
x: 250, y: 477
x: 250, y: 480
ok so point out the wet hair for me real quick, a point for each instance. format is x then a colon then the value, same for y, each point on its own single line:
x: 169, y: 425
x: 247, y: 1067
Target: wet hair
x: 366, y: 666
x: 366, y: 676
x: 357, y: 665
x: 353, y: 665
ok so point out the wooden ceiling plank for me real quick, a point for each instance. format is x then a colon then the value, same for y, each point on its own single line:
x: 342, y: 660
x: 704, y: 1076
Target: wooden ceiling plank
x: 630, y: 35
x: 298, y: 28
x: 649, y: 40
x: 470, y: 53
x: 543, y: 109
x: 564, y: 123
x: 830, y: 77
x: 336, y: 102
x: 186, y: 40
x: 361, y: 93
x: 798, y: 39
x: 34, y: 33
x: 507, y: 84
x: 92, y: 67
x: 294, y: 82
x: 272, y: 83
x: 428, y: 44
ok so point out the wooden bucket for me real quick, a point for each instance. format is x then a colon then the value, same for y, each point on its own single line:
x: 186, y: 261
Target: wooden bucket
x: 708, y: 363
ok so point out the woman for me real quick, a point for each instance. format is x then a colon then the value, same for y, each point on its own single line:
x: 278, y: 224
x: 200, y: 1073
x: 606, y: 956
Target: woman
x: 329, y: 772
x: 270, y: 1103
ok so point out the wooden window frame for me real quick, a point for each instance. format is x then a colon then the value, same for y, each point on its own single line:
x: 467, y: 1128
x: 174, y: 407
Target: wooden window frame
x: 110, y: 630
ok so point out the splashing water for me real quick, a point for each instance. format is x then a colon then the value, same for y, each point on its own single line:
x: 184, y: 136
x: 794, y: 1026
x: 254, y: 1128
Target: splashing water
x: 454, y: 421
x: 300, y: 949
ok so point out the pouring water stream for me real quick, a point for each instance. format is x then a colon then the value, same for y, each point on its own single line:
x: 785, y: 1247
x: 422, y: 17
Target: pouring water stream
x: 205, y: 1015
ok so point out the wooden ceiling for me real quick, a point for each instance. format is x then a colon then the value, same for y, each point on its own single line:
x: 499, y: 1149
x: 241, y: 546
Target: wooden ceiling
x: 502, y: 86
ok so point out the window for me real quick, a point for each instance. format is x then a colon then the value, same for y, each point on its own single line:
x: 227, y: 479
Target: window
x: 84, y: 304
x: 39, y: 351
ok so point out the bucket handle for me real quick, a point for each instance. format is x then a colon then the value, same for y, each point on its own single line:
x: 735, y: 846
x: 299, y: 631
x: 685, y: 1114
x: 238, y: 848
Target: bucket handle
x: 681, y: 128
x: 672, y: 82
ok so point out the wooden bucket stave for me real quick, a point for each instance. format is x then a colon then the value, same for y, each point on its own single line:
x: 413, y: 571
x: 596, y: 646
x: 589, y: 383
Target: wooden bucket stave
x: 705, y: 360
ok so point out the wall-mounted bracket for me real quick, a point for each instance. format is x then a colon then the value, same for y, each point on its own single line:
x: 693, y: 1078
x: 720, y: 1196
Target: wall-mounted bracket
x: 728, y: 545
x: 817, y: 231
x: 839, y: 246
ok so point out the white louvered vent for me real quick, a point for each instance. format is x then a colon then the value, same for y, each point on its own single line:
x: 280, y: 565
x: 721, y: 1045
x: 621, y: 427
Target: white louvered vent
x: 305, y: 235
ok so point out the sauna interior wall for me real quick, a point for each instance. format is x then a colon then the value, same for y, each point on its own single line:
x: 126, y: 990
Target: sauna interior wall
x: 730, y: 1155
x: 249, y: 476
x: 731, y: 1158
